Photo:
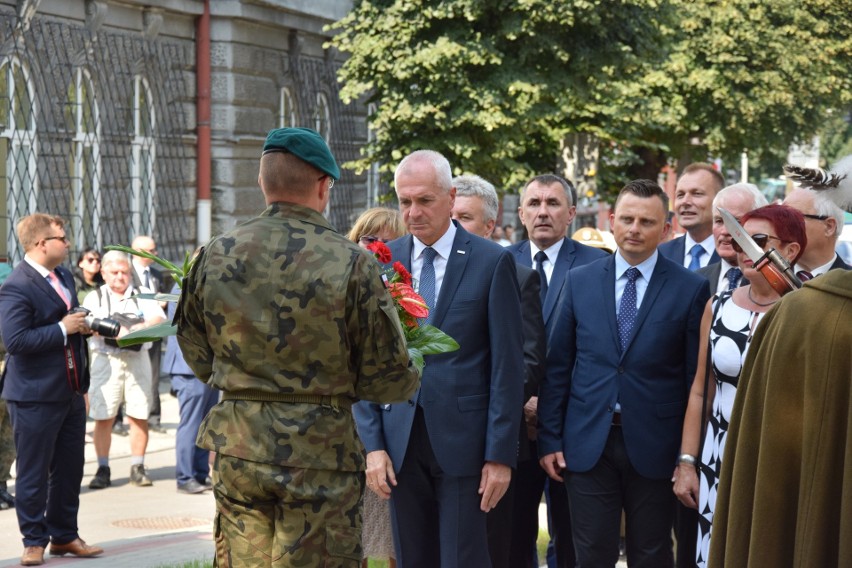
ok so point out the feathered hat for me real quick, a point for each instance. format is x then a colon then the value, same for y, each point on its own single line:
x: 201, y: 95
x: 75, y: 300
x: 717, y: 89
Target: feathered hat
x: 836, y: 183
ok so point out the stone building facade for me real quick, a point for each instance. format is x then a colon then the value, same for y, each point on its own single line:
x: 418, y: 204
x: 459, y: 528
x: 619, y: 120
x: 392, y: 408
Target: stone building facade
x: 98, y: 102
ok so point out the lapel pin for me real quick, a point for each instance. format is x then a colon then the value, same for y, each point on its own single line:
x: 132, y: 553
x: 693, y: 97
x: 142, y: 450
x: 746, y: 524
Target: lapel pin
x: 460, y: 251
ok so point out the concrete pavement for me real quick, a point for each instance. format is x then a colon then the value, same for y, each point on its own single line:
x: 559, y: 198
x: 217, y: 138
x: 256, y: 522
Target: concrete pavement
x: 138, y: 527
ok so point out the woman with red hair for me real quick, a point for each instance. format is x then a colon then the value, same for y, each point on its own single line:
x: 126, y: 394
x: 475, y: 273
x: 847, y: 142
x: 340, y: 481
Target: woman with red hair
x: 727, y: 327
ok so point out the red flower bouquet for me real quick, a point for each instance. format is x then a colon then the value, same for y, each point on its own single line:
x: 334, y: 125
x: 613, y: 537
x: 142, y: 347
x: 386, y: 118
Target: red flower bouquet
x: 421, y: 339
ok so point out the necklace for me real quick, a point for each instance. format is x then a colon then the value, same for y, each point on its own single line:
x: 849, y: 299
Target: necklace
x: 755, y: 302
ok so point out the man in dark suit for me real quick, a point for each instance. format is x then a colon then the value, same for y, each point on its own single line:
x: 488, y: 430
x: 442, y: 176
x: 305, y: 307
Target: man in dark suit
x: 547, y: 209
x: 823, y: 223
x: 622, y: 349
x: 476, y: 210
x: 44, y: 384
x: 694, y: 193
x: 195, y: 399
x: 445, y: 457
x: 146, y: 275
x: 737, y: 199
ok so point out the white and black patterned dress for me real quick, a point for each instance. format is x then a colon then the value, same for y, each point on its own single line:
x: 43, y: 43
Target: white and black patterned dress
x: 730, y: 334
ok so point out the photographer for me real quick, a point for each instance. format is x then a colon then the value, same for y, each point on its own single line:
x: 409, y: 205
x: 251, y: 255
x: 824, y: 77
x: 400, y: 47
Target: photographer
x: 44, y: 385
x: 120, y: 375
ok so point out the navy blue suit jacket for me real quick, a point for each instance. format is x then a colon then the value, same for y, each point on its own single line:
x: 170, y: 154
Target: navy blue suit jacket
x: 675, y: 250
x: 472, y: 397
x: 571, y: 255
x: 36, y: 368
x: 173, y: 361
x: 587, y: 372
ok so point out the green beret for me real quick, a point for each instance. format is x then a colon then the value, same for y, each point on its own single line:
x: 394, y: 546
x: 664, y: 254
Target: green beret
x: 305, y: 144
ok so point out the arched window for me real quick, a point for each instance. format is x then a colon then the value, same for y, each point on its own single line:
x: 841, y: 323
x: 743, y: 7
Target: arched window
x: 83, y: 118
x: 18, y: 147
x: 373, y: 172
x: 286, y: 109
x: 322, y: 117
x: 144, y: 153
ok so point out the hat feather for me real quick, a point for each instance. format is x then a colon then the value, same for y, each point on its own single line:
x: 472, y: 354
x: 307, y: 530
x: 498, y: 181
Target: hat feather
x: 836, y: 183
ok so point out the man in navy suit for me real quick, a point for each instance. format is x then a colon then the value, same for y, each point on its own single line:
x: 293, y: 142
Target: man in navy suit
x: 476, y: 210
x: 824, y: 223
x: 44, y: 384
x: 445, y: 457
x: 548, y: 205
x: 696, y: 187
x: 622, y: 349
x: 195, y: 399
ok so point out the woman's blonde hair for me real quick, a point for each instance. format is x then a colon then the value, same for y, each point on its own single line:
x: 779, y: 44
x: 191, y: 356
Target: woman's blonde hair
x: 376, y: 220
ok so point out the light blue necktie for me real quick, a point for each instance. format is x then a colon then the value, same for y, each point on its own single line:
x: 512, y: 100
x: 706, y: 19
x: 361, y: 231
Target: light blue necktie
x: 427, y: 282
x: 627, y: 307
x: 695, y: 253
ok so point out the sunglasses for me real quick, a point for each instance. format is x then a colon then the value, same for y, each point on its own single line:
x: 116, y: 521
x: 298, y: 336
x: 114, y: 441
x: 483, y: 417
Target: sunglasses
x: 760, y: 239
x: 370, y: 239
x: 91, y: 260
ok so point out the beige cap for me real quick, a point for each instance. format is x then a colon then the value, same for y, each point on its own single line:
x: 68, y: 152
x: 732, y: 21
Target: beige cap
x: 592, y: 237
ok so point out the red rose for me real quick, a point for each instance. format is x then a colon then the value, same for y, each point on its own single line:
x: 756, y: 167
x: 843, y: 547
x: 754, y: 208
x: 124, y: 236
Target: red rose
x: 404, y: 275
x: 381, y: 251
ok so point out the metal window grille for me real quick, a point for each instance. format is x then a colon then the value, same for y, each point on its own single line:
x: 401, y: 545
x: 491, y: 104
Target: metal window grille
x: 93, y: 128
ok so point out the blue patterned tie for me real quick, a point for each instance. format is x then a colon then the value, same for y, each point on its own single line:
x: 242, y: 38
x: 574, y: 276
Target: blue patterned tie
x: 426, y: 287
x: 695, y: 253
x: 540, y: 257
x: 627, y: 308
x: 734, y: 275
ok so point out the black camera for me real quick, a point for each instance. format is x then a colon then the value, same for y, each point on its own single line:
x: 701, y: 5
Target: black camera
x: 103, y: 326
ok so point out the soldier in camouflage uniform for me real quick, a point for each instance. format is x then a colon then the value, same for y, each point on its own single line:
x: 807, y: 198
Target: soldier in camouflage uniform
x: 293, y: 323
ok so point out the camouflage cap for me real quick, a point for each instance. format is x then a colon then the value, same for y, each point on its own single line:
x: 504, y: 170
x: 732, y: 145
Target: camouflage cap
x: 305, y: 144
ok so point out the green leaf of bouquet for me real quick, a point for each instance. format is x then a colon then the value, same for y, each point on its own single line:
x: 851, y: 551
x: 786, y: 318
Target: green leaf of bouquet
x: 174, y: 269
x: 430, y: 341
x: 416, y: 359
x: 153, y: 333
x: 159, y: 296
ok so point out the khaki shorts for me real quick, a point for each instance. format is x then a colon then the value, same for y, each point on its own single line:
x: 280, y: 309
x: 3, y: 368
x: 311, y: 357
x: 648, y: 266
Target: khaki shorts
x: 120, y: 377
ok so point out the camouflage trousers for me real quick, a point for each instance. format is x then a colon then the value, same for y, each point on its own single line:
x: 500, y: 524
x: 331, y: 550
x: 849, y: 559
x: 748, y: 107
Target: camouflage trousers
x: 273, y: 516
x: 7, y: 444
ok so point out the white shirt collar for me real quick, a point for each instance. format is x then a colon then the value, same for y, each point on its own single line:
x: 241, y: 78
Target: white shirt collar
x: 552, y: 251
x: 39, y: 268
x: 442, y: 246
x: 646, y: 267
x: 707, y: 244
x: 819, y: 269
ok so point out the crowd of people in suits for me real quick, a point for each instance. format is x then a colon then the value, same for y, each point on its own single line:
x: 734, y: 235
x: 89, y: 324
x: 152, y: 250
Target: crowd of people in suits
x: 630, y: 367
x: 602, y: 381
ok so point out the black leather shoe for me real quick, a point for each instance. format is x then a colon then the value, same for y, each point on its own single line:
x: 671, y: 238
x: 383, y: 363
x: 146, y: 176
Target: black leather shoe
x: 191, y: 487
x: 101, y: 478
x: 156, y: 427
x: 6, y: 498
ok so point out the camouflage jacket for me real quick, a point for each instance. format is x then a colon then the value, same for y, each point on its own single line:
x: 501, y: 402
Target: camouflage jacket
x: 283, y: 304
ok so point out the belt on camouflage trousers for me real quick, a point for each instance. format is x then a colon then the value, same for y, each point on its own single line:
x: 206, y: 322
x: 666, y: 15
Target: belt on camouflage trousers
x: 332, y: 401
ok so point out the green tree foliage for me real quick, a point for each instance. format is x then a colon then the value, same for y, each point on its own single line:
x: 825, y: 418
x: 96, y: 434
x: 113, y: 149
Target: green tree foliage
x: 495, y: 85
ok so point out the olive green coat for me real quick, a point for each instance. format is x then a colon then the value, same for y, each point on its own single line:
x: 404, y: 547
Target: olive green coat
x: 785, y: 495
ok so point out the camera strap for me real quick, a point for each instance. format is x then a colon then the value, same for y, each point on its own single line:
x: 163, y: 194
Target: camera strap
x: 72, y: 374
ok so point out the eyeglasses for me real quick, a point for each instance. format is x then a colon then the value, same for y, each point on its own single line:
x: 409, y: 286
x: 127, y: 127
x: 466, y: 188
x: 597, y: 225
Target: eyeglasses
x: 370, y: 239
x: 760, y: 239
x: 817, y: 217
x: 330, y: 180
x: 92, y: 260
x: 63, y: 239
